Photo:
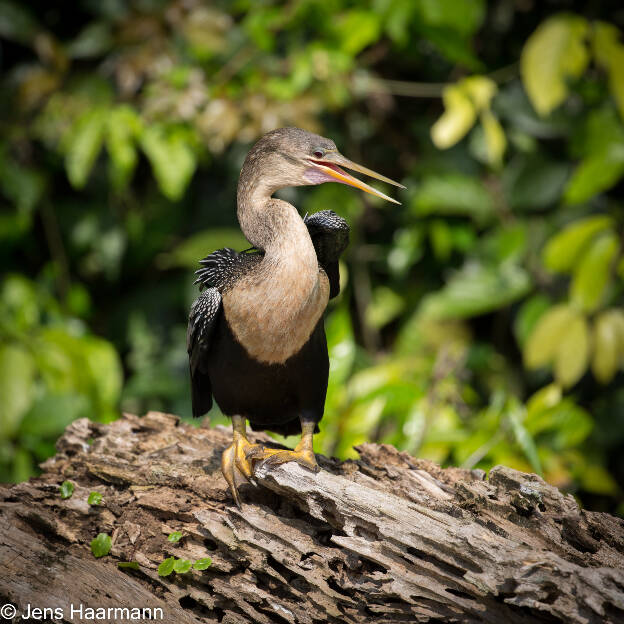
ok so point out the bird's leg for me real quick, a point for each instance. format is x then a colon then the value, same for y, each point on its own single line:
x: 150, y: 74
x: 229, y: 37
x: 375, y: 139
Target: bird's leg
x: 303, y: 453
x: 235, y: 456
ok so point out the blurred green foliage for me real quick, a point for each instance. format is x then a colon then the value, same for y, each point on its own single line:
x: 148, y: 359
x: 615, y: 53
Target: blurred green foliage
x: 479, y: 323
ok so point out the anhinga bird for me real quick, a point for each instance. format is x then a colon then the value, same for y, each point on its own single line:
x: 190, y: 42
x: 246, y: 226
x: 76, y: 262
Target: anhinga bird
x: 256, y: 339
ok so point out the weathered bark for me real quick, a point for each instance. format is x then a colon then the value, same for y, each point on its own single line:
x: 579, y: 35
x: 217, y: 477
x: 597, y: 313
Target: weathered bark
x: 387, y: 538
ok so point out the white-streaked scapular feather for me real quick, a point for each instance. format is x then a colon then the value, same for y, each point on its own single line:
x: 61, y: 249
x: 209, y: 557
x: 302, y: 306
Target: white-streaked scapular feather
x: 202, y: 318
x: 223, y: 267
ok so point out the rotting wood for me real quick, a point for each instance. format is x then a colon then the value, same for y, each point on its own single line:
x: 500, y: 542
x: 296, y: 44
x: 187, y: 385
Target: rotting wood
x: 386, y: 538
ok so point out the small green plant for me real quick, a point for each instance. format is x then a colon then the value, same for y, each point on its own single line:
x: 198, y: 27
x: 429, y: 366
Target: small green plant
x: 176, y: 536
x: 95, y: 498
x: 166, y: 567
x: 202, y: 564
x: 66, y: 489
x: 182, y: 566
x: 101, y: 545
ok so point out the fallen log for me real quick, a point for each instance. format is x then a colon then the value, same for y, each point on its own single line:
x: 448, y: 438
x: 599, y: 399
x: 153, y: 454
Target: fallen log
x: 386, y: 538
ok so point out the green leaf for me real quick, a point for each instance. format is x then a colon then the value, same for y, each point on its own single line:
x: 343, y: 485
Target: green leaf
x: 52, y: 412
x: 504, y: 244
x: 122, y: 128
x: 571, y: 425
x: 172, y: 158
x: 606, y: 346
x: 543, y: 343
x: 544, y: 399
x: 441, y: 238
x: 605, y: 40
x: 385, y: 306
x: 455, y: 46
x: 132, y: 565
x: 342, y: 348
x: 182, y: 566
x: 563, y: 250
x: 601, y: 128
x: 166, y: 567
x: 616, y: 318
x: 453, y: 194
x: 357, y: 29
x: 261, y: 25
x: 572, y: 354
x: 23, y: 466
x: 17, y: 22
x: 609, y: 54
x: 462, y: 102
x: 66, y: 489
x: 596, y: 174
x: 597, y: 479
x: 532, y: 182
x: 94, y: 40
x: 481, y: 90
x: 374, y: 380
x: 176, y: 536
x: 17, y: 378
x: 95, y: 498
x: 530, y: 312
x: 563, y: 423
x: 523, y: 437
x: 101, y: 545
x: 593, y: 272
x: 104, y: 366
x: 24, y: 186
x: 476, y: 290
x: 458, y: 118
x: 464, y: 16
x: 82, y: 146
x: 495, y: 139
x: 553, y: 54
x: 202, y: 564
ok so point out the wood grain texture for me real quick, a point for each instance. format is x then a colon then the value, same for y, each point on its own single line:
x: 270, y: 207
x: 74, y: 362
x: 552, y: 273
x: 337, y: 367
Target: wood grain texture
x: 386, y: 538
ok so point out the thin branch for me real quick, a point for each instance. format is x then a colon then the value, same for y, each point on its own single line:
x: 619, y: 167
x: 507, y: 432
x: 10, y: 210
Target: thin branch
x: 434, y: 89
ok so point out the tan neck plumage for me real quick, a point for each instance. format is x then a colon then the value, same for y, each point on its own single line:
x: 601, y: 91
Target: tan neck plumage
x: 273, y: 310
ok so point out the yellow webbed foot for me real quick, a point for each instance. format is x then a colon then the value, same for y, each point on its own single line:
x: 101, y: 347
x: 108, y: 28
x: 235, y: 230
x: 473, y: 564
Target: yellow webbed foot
x: 244, y: 457
x: 303, y: 453
x: 274, y: 457
x: 235, y: 458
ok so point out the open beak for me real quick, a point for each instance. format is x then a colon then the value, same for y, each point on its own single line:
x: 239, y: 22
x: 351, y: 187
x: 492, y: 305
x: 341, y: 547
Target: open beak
x: 331, y: 164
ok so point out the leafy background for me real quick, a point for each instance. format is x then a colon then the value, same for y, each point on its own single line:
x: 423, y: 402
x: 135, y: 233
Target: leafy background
x: 481, y: 322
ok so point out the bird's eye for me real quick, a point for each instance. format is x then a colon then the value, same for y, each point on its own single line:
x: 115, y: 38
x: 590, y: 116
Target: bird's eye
x: 318, y: 153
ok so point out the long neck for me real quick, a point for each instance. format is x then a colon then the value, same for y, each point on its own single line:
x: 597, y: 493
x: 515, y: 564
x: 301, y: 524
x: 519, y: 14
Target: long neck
x: 273, y: 310
x: 271, y: 224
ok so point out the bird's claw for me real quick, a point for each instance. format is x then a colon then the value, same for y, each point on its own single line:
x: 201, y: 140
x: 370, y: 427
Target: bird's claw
x: 255, y: 452
x: 234, y: 459
x: 275, y: 457
x: 244, y: 457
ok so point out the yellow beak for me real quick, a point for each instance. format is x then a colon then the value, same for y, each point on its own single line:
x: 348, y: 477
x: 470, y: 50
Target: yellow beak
x: 331, y: 164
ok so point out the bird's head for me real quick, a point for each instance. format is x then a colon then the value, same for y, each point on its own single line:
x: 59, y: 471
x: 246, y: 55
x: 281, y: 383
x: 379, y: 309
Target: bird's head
x: 295, y: 157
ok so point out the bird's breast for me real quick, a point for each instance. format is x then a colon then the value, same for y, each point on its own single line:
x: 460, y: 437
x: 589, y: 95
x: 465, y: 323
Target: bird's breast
x: 273, y: 311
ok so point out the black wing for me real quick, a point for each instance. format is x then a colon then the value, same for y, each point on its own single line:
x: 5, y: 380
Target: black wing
x: 219, y: 271
x: 330, y: 237
x: 203, y: 319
